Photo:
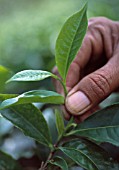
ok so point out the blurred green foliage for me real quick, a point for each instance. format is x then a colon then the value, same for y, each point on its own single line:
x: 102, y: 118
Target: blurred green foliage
x: 4, y: 75
x: 107, y: 8
x: 28, y: 30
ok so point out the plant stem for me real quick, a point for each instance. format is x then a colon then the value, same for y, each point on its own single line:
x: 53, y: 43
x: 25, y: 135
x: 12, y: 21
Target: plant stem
x: 63, y: 85
x: 48, y: 159
x: 43, y: 167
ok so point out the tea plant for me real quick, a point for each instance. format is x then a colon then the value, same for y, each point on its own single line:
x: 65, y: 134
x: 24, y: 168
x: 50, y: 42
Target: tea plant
x: 77, y: 144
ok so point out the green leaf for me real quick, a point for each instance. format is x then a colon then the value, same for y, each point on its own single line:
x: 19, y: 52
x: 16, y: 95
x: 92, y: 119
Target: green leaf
x: 8, y: 163
x: 78, y: 157
x: 31, y: 121
x: 7, y: 96
x: 41, y: 96
x: 35, y: 75
x: 59, y: 122
x: 31, y: 75
x: 102, y: 126
x: 98, y: 159
x: 69, y: 41
x: 60, y: 162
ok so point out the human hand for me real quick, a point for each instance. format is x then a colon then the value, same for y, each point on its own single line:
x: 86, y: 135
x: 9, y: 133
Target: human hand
x: 93, y: 75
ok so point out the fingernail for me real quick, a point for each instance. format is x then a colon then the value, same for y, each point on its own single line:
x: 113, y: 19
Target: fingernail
x: 77, y: 102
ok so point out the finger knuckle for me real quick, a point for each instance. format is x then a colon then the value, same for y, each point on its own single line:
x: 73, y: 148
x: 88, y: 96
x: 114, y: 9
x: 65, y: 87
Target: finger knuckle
x: 100, y: 24
x: 100, y: 84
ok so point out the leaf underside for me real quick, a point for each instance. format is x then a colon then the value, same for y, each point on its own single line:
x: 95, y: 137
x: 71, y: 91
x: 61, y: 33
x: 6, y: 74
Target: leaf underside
x: 31, y: 75
x: 34, y: 96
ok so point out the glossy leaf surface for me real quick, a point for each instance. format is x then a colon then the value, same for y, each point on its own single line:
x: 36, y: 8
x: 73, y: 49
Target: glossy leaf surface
x: 31, y: 75
x: 31, y: 121
x: 78, y: 157
x: 8, y: 163
x: 34, y: 96
x: 69, y: 41
x: 102, y: 126
x: 60, y: 162
x: 98, y: 159
x: 59, y: 122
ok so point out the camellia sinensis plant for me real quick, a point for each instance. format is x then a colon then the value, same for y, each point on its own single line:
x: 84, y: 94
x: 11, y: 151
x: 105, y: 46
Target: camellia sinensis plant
x: 77, y: 144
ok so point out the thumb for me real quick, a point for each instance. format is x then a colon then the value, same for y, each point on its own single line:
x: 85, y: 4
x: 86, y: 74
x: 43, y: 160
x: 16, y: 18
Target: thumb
x: 92, y: 89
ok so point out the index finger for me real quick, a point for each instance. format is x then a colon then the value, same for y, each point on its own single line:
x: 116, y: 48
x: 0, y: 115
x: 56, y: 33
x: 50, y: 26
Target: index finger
x: 79, y: 62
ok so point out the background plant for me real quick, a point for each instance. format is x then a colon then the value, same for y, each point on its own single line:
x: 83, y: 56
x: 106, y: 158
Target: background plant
x: 22, y: 35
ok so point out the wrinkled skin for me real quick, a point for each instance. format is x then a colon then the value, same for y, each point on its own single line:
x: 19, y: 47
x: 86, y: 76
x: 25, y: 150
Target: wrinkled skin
x: 93, y: 75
